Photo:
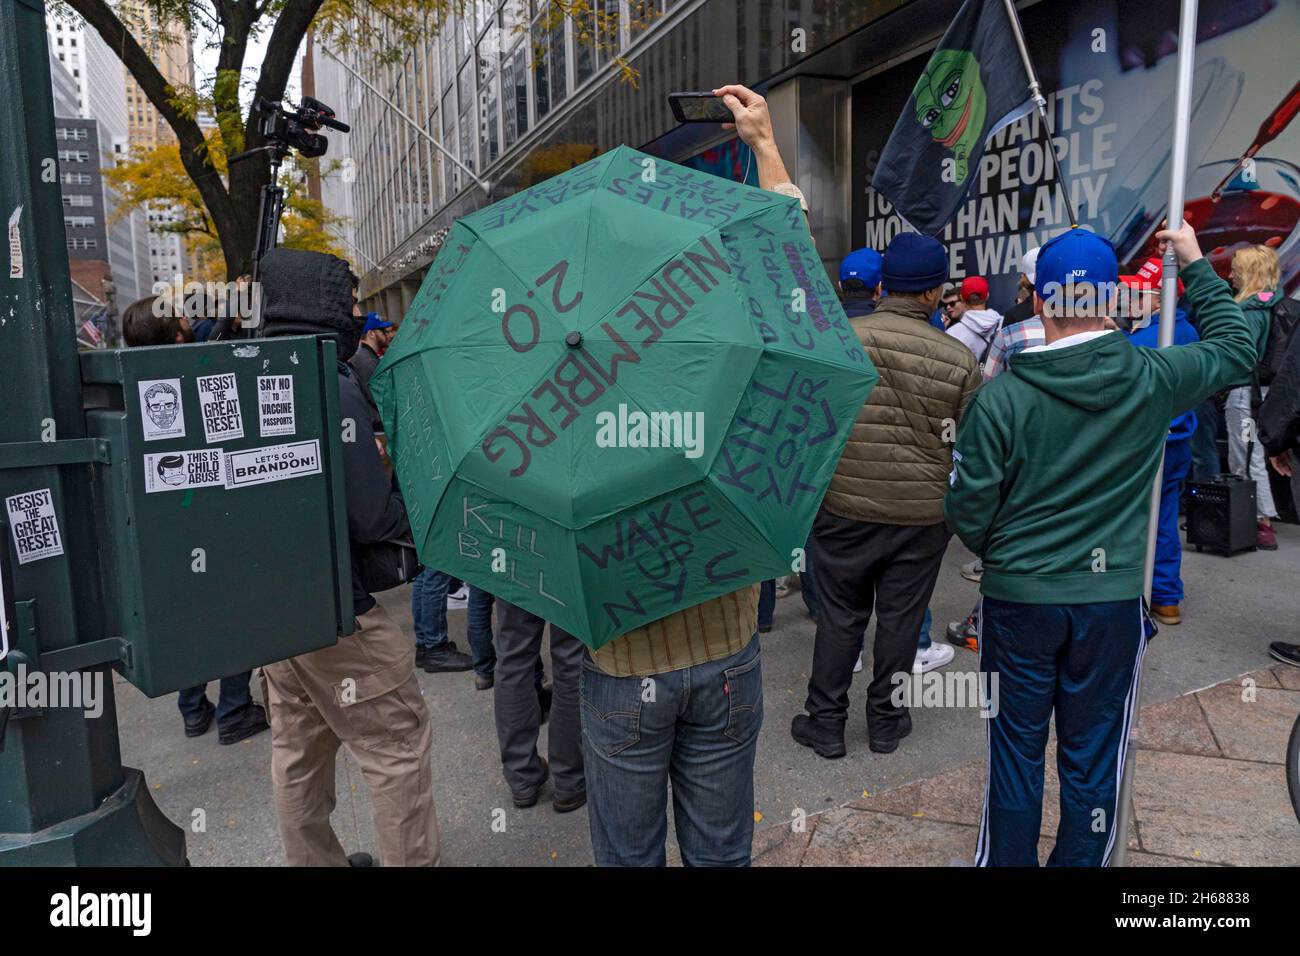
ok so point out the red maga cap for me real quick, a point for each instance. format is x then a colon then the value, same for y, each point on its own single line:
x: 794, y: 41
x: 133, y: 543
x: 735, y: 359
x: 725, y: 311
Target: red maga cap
x: 1148, y: 276
x: 974, y: 286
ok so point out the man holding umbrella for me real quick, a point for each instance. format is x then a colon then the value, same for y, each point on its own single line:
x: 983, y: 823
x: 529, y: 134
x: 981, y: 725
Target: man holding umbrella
x: 702, y: 732
x: 632, y: 418
x: 1051, y: 485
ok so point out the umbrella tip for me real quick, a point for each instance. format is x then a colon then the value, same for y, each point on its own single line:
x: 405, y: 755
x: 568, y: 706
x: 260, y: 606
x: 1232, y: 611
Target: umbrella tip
x: 573, y: 339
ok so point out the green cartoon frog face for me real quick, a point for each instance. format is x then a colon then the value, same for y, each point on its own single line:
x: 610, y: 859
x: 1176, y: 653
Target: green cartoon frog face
x: 950, y: 104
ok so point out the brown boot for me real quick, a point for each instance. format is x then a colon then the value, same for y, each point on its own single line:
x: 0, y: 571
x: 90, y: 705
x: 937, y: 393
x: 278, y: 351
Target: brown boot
x: 1166, y: 613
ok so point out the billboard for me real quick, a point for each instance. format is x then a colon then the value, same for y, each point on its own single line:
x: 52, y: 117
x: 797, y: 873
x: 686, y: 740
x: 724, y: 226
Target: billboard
x: 1108, y: 69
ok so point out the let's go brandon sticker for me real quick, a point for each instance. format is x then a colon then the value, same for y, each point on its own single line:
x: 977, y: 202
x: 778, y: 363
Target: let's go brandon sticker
x: 260, y: 466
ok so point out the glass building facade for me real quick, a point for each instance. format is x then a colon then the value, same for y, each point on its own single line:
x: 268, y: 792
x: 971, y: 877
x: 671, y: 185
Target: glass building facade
x: 517, y: 93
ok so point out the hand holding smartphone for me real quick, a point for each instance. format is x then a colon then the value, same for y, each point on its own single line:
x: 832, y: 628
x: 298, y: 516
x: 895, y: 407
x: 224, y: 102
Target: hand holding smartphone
x: 699, y: 107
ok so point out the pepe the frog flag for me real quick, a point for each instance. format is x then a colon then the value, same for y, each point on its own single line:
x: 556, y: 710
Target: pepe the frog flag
x: 974, y: 84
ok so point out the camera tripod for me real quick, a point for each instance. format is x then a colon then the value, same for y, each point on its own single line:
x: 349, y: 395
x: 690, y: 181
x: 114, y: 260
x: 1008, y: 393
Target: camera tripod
x: 270, y: 206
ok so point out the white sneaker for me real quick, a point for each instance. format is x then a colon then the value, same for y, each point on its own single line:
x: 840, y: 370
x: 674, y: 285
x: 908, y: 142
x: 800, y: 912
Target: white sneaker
x: 458, y: 599
x: 973, y: 570
x: 936, y: 655
x: 857, y: 668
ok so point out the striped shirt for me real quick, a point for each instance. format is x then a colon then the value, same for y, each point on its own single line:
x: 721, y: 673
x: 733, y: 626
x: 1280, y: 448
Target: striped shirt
x: 706, y: 632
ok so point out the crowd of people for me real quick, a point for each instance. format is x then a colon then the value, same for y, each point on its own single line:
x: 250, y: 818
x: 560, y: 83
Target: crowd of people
x: 1033, y: 434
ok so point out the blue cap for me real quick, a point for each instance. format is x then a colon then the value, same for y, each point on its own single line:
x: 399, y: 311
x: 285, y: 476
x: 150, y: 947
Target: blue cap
x: 863, y: 265
x: 375, y: 321
x: 914, y: 263
x: 1077, y: 257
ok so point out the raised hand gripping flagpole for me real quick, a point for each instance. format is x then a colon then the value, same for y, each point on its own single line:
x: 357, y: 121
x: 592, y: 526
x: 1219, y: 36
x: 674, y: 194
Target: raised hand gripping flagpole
x: 1168, y: 308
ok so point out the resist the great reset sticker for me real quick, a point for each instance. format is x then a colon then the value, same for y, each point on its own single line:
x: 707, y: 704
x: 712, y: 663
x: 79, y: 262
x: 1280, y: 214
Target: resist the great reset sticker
x: 219, y: 406
x: 34, y: 525
x: 258, y: 466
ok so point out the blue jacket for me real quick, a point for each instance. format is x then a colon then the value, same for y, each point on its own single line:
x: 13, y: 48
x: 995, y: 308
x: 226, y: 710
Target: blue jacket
x: 1184, y: 425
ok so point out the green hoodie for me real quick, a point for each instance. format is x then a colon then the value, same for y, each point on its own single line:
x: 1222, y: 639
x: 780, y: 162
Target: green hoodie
x: 1054, y: 462
x: 1258, y: 310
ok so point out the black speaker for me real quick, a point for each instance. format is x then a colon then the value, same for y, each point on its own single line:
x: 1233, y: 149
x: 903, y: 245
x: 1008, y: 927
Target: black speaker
x: 1221, y: 514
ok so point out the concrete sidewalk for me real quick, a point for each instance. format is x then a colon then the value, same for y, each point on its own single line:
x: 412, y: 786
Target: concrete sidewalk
x: 1209, y: 790
x: 1234, y: 608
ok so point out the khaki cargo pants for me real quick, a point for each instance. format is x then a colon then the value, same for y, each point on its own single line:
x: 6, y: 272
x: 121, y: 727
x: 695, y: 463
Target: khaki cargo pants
x: 361, y: 693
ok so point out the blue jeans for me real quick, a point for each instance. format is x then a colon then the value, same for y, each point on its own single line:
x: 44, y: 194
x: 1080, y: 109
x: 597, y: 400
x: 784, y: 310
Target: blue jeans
x: 1205, y: 450
x: 233, y: 696
x: 766, y: 604
x: 429, y: 608
x: 1166, y: 578
x: 478, y: 631
x: 696, y: 727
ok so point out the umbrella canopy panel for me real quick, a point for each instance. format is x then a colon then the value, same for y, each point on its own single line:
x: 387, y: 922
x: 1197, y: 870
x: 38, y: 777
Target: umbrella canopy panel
x: 620, y: 393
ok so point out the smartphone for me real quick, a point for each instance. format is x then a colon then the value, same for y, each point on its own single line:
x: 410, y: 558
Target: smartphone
x: 699, y: 108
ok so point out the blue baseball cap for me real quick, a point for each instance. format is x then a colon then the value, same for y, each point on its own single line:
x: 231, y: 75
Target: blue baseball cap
x: 1077, y: 257
x: 375, y: 321
x: 864, y: 265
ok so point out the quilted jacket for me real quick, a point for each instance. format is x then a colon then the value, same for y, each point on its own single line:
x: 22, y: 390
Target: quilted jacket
x: 895, y: 467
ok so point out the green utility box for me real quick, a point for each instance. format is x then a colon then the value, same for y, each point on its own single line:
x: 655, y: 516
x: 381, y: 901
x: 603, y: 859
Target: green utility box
x: 221, y: 518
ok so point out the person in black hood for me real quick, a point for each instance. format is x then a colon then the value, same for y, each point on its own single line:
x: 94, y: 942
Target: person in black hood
x: 1279, y: 433
x: 362, y: 691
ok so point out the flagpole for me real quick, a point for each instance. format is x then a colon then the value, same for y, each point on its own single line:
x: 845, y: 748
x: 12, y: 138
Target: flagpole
x: 1036, y: 94
x: 1168, y: 310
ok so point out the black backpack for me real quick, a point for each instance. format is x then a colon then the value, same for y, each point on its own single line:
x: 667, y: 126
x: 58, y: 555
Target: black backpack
x: 387, y: 564
x: 1281, y: 327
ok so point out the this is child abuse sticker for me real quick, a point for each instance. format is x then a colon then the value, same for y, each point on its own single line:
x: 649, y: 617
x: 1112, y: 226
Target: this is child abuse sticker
x: 34, y: 525
x: 259, y: 466
x: 173, y: 470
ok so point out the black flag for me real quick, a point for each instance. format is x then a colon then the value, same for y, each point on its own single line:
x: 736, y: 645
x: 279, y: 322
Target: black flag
x: 974, y: 84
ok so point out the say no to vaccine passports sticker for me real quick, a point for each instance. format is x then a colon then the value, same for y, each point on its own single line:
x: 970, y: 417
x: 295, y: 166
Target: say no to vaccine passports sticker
x: 275, y: 405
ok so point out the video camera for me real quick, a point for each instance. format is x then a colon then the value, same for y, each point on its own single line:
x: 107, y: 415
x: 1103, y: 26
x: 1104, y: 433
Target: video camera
x: 283, y: 129
x: 297, y: 129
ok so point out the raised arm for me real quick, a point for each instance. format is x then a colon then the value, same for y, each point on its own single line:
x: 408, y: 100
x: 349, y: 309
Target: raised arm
x: 1226, y: 352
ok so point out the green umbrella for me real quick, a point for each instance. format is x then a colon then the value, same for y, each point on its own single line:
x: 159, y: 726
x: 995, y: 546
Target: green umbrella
x: 620, y: 393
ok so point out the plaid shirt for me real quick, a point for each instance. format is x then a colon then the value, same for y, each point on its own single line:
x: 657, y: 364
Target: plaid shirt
x: 1008, y: 341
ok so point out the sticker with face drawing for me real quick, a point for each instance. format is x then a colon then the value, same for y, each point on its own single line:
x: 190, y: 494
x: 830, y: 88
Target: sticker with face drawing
x: 950, y: 104
x: 161, y: 412
x: 174, y: 470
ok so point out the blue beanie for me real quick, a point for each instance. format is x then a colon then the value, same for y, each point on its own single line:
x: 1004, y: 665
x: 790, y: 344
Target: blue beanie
x: 914, y: 263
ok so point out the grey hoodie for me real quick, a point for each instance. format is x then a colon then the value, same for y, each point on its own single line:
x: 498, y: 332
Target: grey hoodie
x: 975, y: 329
